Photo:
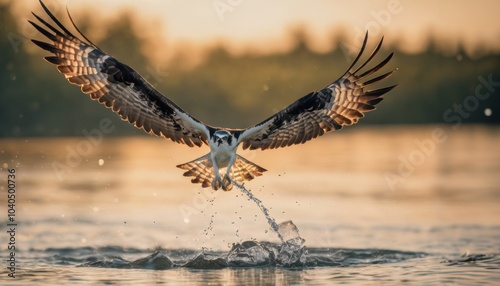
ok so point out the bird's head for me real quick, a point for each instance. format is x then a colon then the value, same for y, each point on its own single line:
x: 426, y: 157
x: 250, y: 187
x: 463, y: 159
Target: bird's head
x: 222, y: 137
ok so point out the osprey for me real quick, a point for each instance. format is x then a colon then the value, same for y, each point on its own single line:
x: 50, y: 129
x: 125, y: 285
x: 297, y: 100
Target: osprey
x: 123, y: 90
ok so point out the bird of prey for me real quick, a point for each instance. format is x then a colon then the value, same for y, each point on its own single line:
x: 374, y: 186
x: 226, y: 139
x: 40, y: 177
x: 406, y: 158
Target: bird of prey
x: 123, y: 90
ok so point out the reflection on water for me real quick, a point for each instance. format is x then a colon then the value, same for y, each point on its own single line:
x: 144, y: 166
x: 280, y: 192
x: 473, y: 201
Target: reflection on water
x: 429, y: 190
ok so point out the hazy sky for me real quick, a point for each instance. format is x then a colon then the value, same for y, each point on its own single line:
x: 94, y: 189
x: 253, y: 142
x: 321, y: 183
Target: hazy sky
x: 264, y: 25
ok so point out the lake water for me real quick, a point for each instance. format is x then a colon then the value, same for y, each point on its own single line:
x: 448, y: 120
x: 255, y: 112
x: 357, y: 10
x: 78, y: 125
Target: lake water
x: 375, y: 205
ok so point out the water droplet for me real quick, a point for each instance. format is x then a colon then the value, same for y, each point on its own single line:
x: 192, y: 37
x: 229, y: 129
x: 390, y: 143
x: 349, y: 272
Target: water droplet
x: 101, y: 162
x: 488, y: 111
x: 186, y: 220
x: 95, y: 209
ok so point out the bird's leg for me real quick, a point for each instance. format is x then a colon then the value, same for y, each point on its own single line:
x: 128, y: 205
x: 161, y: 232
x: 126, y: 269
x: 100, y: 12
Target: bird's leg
x: 217, y: 181
x: 226, y: 182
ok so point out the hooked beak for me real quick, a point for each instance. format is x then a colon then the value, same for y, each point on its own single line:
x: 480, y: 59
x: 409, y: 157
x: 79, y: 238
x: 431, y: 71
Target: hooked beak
x: 219, y: 141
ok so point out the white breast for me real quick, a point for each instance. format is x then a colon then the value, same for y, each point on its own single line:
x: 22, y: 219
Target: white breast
x: 222, y: 153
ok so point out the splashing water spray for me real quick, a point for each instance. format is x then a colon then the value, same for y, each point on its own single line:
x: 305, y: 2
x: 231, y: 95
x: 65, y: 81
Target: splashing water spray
x: 291, y: 252
x: 270, y: 220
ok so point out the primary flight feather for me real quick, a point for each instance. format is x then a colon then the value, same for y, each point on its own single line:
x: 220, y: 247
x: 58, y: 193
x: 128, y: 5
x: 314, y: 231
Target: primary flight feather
x: 122, y: 89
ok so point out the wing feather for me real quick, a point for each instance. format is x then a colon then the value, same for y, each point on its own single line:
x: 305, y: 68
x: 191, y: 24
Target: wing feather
x: 342, y: 103
x: 116, y: 85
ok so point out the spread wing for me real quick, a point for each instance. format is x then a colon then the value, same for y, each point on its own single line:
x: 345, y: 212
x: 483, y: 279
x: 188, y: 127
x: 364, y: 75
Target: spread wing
x: 341, y: 103
x: 117, y: 86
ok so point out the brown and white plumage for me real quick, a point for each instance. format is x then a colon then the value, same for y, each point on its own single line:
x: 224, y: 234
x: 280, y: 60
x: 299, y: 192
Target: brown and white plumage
x: 117, y: 86
x: 341, y: 103
x: 202, y: 171
x: 122, y: 89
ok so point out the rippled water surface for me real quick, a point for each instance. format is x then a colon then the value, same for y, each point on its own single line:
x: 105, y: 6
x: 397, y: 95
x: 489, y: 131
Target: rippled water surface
x: 378, y: 205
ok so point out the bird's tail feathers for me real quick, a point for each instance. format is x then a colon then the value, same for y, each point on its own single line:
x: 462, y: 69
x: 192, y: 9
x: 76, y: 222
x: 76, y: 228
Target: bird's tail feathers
x: 203, y: 172
x: 201, y: 169
x: 244, y: 170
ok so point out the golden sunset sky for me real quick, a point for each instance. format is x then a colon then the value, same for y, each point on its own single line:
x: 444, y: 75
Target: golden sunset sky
x: 264, y: 26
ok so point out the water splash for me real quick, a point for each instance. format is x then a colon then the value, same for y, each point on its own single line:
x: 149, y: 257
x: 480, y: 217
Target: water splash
x: 270, y: 220
x: 247, y: 254
x: 155, y: 261
x: 291, y: 252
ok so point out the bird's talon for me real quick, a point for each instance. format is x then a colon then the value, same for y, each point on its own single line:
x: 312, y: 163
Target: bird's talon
x: 216, y: 183
x: 226, y: 183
